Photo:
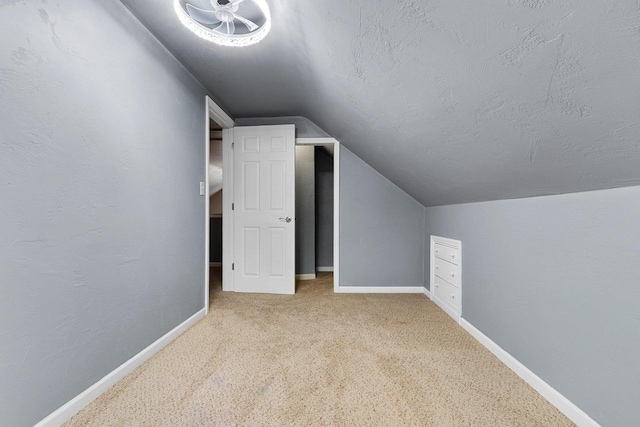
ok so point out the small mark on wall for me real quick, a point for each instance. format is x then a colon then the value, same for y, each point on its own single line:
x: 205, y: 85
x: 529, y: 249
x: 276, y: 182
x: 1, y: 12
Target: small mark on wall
x: 514, y: 55
x: 535, y: 4
x: 4, y: 3
x: 22, y: 56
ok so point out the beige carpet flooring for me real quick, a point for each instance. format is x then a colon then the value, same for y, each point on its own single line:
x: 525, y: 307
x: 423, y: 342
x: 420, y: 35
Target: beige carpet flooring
x: 318, y: 358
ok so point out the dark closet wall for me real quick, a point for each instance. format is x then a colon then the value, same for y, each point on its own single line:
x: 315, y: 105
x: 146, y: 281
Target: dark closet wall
x: 324, y: 208
x: 215, y: 239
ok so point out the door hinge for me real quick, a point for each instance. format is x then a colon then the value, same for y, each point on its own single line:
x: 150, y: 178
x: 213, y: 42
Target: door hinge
x: 233, y: 206
x: 233, y: 144
x: 233, y: 265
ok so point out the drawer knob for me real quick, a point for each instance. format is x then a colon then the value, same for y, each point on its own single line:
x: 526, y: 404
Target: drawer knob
x: 437, y: 251
x: 437, y: 266
x: 437, y: 286
x: 453, y: 274
x: 452, y: 296
x: 453, y: 256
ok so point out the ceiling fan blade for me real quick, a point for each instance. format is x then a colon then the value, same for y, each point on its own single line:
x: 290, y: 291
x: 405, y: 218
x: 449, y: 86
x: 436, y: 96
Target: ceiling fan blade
x: 251, y: 26
x: 235, y: 2
x: 231, y: 28
x: 201, y: 15
x: 226, y: 28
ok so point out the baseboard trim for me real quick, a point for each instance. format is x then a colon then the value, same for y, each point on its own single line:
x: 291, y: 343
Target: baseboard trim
x: 324, y: 268
x: 380, y: 289
x: 305, y: 276
x: 554, y: 397
x: 72, y: 407
x: 427, y: 293
x: 215, y: 264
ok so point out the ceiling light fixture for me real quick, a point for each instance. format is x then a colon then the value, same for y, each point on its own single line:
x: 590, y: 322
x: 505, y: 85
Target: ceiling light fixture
x: 218, y: 23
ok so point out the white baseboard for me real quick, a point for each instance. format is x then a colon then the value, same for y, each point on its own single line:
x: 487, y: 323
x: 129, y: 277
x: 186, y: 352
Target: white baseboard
x: 427, y: 293
x: 215, y: 264
x: 324, y: 268
x: 380, y: 289
x: 554, y: 397
x: 305, y: 276
x: 72, y: 407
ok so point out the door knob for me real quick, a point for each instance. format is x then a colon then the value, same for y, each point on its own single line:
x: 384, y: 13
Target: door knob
x: 287, y: 219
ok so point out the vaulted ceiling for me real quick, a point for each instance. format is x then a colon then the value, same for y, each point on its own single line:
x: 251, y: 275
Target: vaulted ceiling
x: 452, y: 100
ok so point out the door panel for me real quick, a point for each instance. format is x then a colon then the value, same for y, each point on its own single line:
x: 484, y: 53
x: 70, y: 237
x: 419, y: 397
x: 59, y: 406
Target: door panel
x: 251, y: 243
x: 264, y: 165
x: 251, y: 186
x: 250, y: 145
x: 278, y: 188
x: 277, y: 251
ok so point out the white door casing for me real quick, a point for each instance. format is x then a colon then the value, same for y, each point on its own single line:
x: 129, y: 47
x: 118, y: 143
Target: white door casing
x: 264, y: 211
x: 217, y: 114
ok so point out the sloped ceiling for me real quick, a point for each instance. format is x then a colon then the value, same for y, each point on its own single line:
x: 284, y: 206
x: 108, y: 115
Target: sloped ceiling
x: 454, y: 101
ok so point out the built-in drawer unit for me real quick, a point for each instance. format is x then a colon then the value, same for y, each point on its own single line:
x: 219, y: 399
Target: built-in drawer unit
x: 448, y: 271
x: 447, y: 253
x: 446, y: 293
x: 446, y: 281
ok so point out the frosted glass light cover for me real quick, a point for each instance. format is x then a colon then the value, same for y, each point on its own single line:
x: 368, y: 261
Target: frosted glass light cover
x: 222, y: 34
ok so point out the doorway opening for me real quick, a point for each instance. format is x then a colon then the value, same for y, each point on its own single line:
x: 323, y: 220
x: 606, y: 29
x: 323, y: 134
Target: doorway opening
x: 217, y: 134
x: 215, y: 205
x: 256, y: 187
x: 316, y: 208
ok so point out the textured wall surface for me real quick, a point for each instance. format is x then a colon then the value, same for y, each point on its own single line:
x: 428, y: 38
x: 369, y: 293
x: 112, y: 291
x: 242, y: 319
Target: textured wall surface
x: 554, y: 281
x: 324, y: 208
x: 101, y: 224
x: 452, y: 100
x: 381, y: 229
x: 305, y: 210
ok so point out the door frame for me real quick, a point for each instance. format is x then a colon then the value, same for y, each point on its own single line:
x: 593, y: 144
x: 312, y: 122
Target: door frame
x: 218, y: 115
x: 336, y: 201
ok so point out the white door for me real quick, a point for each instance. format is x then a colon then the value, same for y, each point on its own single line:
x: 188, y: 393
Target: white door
x: 264, y: 198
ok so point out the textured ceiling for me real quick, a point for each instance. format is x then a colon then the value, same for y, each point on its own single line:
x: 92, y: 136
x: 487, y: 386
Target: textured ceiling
x: 454, y: 101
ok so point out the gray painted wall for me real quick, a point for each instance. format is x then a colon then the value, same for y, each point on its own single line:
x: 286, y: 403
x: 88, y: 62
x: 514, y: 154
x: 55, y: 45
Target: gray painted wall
x: 305, y: 128
x: 305, y: 211
x: 101, y: 225
x: 381, y: 229
x: 555, y: 282
x: 324, y: 208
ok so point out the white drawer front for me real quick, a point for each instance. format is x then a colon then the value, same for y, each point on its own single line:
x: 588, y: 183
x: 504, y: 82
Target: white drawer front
x: 446, y: 293
x: 447, y: 271
x: 446, y: 252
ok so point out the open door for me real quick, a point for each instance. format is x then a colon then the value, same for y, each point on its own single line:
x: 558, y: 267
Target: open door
x: 264, y: 211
